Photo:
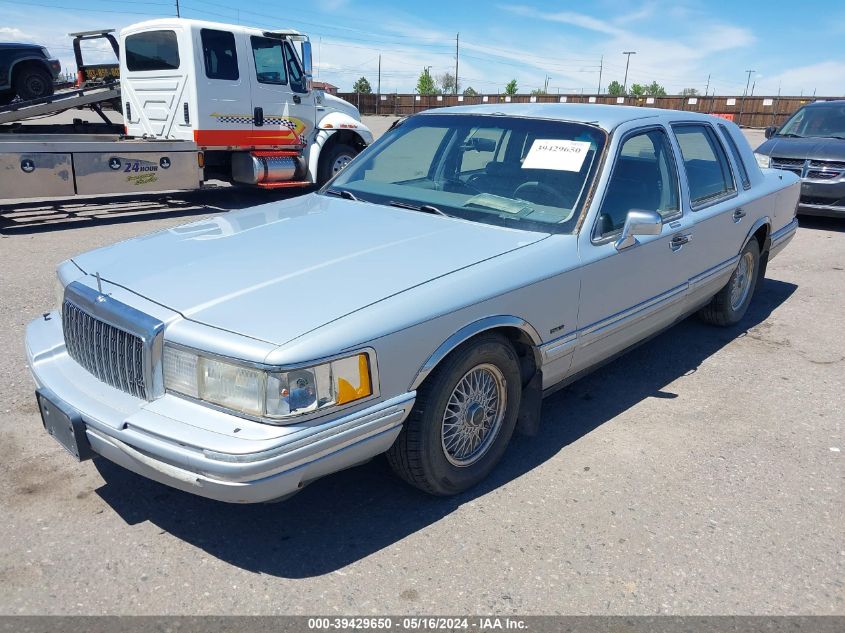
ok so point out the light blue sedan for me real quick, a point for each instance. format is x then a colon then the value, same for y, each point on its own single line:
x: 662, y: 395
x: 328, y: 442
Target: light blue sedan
x: 470, y: 262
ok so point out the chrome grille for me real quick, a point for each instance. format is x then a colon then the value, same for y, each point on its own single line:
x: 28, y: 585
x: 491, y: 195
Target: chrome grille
x: 112, y: 355
x: 788, y: 162
x: 829, y: 164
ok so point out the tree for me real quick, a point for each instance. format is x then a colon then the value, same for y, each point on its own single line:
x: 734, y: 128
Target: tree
x: 425, y: 84
x: 638, y: 90
x: 470, y: 92
x: 654, y: 89
x: 538, y: 91
x: 511, y: 88
x: 615, y: 89
x: 447, y: 83
x: 689, y: 92
x: 362, y: 86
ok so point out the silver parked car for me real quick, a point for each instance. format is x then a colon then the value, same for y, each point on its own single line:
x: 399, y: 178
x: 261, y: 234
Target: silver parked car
x: 471, y: 261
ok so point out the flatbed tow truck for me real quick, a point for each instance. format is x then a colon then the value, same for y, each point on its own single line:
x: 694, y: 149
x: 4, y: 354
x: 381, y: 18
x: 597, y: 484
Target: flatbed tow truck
x: 200, y: 101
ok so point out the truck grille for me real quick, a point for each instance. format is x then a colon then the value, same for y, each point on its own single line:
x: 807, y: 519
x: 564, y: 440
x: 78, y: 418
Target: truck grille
x: 112, y: 355
x: 811, y: 169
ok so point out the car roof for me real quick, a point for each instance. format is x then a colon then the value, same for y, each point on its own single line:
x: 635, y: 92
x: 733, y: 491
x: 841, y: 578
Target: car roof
x: 191, y: 23
x: 602, y: 115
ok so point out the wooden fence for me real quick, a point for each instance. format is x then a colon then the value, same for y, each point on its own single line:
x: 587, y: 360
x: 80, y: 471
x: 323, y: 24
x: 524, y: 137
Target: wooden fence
x: 755, y: 111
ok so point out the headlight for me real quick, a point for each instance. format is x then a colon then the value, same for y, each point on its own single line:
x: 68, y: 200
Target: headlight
x: 763, y: 161
x: 263, y: 393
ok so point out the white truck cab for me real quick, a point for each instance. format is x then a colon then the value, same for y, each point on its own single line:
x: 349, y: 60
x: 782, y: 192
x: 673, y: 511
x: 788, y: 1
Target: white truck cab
x: 239, y: 90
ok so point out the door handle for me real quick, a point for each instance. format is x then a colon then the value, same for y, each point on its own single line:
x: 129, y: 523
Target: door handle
x: 297, y: 99
x: 738, y: 215
x: 679, y: 240
x: 258, y: 117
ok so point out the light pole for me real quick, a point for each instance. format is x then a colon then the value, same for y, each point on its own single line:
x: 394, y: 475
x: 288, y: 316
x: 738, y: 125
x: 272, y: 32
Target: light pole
x: 628, y: 61
x: 744, y: 95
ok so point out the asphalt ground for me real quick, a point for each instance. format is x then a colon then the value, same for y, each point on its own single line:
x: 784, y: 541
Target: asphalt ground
x: 701, y: 473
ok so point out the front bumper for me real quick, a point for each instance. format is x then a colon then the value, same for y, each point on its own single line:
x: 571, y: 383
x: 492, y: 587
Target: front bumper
x: 822, y: 198
x: 200, y: 450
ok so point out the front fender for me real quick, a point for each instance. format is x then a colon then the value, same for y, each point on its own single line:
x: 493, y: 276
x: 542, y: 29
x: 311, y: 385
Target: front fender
x: 334, y: 121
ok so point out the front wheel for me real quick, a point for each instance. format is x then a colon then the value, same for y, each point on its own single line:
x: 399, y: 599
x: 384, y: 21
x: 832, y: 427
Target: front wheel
x: 336, y: 158
x: 462, y: 420
x: 33, y: 82
x: 731, y: 303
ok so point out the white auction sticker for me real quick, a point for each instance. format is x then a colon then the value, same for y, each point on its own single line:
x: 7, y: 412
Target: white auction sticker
x: 555, y: 154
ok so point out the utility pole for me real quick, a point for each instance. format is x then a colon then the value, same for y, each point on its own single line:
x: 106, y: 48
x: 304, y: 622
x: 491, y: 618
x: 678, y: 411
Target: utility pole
x: 177, y: 9
x: 457, y: 53
x: 707, y: 88
x: 745, y: 94
x: 601, y: 67
x: 628, y: 61
x: 378, y: 90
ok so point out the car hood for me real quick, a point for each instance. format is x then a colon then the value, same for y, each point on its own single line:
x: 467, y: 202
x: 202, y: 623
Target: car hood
x: 803, y: 148
x: 277, y: 271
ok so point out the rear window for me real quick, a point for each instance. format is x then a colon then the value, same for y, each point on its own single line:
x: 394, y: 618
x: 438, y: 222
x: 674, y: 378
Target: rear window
x: 152, y: 50
x: 743, y: 172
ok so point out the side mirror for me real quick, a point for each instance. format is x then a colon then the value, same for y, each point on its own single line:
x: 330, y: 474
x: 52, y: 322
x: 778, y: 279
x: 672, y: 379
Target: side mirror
x: 307, y: 64
x: 771, y: 131
x: 639, y: 222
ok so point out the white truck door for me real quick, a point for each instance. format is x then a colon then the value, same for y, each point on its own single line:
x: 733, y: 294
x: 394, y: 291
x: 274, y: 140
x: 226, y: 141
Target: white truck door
x: 283, y: 108
x: 224, y: 102
x: 155, y: 76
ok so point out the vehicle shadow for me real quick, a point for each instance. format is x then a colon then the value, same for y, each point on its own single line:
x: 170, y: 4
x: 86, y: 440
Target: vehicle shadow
x: 29, y: 217
x: 821, y: 223
x: 347, y: 516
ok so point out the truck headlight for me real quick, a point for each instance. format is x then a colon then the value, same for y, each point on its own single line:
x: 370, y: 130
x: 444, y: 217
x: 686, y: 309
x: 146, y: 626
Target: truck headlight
x: 268, y: 394
x: 763, y: 161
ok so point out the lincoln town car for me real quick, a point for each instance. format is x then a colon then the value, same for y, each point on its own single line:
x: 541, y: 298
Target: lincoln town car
x: 421, y: 304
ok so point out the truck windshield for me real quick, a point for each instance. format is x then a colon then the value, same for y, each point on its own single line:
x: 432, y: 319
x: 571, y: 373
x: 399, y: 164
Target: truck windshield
x: 816, y: 121
x: 523, y: 173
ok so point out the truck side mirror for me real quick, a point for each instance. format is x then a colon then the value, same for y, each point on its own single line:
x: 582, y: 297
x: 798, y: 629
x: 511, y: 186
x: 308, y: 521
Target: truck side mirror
x: 307, y: 63
x: 770, y: 131
x: 639, y: 222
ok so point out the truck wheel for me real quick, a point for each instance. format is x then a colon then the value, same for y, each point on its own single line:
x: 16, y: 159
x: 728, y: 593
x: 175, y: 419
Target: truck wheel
x: 462, y: 420
x: 32, y: 82
x: 333, y: 161
x: 6, y: 97
x: 731, y: 302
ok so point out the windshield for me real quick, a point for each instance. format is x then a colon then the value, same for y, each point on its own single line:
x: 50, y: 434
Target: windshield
x: 826, y: 120
x: 524, y: 173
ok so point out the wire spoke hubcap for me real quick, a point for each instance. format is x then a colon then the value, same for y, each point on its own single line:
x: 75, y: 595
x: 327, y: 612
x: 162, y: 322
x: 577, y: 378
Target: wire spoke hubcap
x: 741, y: 280
x: 474, y: 414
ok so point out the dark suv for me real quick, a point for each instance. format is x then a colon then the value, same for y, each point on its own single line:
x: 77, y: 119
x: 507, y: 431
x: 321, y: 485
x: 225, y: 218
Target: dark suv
x: 812, y: 144
x: 26, y: 70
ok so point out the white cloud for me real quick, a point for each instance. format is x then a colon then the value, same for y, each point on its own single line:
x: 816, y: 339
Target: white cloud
x: 826, y: 78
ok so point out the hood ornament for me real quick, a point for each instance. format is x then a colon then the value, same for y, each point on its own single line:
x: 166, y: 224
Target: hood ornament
x: 101, y: 297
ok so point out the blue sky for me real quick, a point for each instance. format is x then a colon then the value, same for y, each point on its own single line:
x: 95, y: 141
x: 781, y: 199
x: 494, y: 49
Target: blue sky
x: 678, y: 43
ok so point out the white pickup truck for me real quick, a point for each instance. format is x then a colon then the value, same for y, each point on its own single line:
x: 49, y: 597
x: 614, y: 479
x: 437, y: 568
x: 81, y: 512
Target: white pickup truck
x: 201, y: 100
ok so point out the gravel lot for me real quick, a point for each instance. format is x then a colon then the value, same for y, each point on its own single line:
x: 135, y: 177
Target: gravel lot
x: 699, y: 474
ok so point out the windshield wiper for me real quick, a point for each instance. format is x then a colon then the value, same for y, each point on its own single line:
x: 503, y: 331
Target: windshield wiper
x: 342, y: 193
x: 790, y: 135
x: 425, y: 208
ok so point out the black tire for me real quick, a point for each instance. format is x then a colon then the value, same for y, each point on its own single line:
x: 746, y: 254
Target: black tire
x: 419, y: 455
x: 329, y: 161
x: 33, y: 82
x: 6, y: 97
x: 722, y: 309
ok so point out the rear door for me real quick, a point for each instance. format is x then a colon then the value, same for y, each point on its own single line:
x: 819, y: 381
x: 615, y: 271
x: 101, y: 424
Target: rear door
x: 224, y: 103
x: 283, y: 108
x: 155, y: 83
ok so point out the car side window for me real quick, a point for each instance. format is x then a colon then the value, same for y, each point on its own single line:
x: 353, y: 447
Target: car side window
x: 708, y: 172
x: 269, y: 60
x: 644, y: 177
x: 732, y: 146
x: 481, y: 147
x: 219, y: 55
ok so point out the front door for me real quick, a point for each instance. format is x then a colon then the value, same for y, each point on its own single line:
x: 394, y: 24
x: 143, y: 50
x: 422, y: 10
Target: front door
x: 283, y: 107
x: 630, y: 293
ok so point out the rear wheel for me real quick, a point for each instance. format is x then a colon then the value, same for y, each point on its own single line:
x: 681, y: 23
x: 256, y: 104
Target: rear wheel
x: 33, y: 82
x: 462, y: 420
x: 731, y: 303
x: 336, y: 158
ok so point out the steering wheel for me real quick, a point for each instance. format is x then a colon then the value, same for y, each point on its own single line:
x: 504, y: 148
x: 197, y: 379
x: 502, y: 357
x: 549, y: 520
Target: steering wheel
x: 539, y: 193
